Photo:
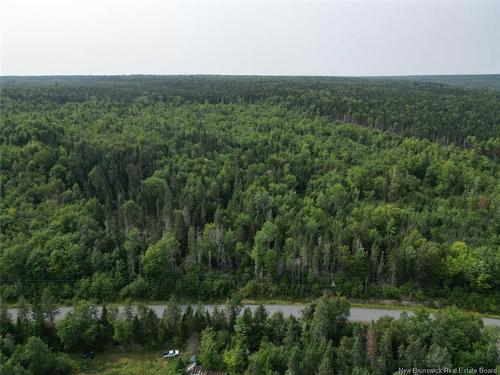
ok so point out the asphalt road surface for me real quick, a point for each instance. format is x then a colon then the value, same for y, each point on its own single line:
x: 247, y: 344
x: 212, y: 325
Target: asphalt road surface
x: 358, y: 314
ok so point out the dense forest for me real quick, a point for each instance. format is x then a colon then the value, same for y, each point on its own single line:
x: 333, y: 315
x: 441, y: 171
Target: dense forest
x: 423, y: 107
x: 471, y: 81
x: 146, y: 187
x: 322, y: 341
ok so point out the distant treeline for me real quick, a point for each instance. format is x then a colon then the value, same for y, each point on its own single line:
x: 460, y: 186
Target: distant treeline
x: 411, y: 106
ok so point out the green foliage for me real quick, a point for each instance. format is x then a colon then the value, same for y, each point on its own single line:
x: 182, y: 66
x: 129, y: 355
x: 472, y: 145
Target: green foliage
x: 326, y: 366
x: 209, y: 355
x: 130, y: 362
x: 148, y: 187
x: 158, y: 263
x: 234, y: 359
x: 320, y: 341
x: 37, y: 358
x: 123, y: 333
x: 467, y: 264
x: 329, y: 319
x: 79, y: 330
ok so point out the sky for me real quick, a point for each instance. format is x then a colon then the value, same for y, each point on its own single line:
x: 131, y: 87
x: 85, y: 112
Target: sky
x: 331, y: 38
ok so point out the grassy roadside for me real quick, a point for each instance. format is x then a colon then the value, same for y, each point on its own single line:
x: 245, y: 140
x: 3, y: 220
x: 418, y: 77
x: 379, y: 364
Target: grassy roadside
x: 126, y: 362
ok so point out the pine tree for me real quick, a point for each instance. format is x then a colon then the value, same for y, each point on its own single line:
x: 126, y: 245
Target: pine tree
x: 327, y: 363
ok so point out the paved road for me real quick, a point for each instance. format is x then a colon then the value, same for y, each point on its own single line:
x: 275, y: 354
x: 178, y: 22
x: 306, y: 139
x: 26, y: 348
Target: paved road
x: 357, y: 314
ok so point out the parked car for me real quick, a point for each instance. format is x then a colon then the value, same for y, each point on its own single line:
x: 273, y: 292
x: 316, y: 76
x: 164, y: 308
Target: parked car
x: 171, y: 353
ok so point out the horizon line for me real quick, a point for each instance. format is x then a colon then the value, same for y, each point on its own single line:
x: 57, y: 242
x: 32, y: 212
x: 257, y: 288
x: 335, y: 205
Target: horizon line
x: 242, y: 75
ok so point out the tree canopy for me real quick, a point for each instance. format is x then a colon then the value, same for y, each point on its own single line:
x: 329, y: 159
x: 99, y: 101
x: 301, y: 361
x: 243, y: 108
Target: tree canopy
x: 148, y: 187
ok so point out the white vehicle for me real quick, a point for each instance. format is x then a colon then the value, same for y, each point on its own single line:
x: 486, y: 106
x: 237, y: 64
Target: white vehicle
x: 171, y: 353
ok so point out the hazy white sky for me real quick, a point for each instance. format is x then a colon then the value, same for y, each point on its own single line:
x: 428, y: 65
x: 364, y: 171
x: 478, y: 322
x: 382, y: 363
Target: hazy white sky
x: 41, y: 37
